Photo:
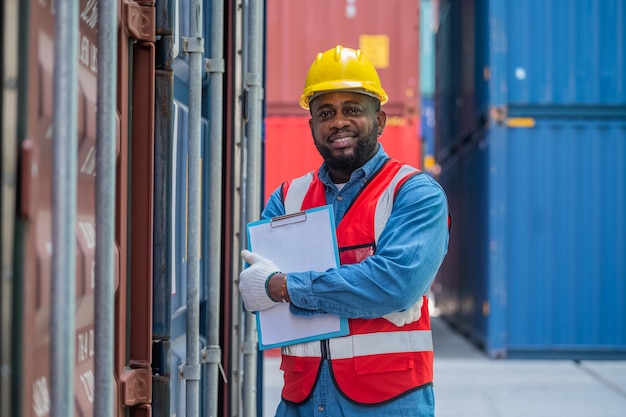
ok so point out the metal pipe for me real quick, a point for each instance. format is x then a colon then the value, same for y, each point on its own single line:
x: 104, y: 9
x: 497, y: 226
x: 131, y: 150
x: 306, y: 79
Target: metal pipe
x: 215, y: 69
x: 194, y: 47
x: 9, y: 110
x: 254, y: 85
x: 64, y: 160
x: 105, y: 207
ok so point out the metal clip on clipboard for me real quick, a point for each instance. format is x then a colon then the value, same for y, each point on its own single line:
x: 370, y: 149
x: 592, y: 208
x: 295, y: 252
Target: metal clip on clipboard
x: 286, y: 219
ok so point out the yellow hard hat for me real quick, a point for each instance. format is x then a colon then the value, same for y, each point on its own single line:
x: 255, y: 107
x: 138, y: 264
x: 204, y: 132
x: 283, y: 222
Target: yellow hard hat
x: 342, y: 69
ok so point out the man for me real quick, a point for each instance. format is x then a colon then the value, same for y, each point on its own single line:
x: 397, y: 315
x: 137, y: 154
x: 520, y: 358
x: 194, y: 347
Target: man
x: 392, y: 233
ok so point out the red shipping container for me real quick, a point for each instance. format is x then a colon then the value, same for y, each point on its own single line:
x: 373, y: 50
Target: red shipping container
x: 290, y: 152
x: 387, y: 31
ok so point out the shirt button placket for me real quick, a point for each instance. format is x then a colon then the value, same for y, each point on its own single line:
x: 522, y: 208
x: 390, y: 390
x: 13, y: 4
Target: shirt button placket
x: 322, y: 393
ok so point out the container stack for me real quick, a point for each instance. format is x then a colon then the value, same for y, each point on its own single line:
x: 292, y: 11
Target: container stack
x: 531, y: 139
x: 387, y: 31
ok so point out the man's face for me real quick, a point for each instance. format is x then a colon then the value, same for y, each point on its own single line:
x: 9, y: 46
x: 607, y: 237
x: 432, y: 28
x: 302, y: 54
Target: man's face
x: 345, y: 128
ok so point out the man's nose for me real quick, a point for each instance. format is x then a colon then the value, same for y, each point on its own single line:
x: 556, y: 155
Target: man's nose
x: 340, y: 121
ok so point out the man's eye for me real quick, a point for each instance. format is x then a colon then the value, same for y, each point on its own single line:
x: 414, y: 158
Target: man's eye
x: 324, y: 114
x: 353, y: 111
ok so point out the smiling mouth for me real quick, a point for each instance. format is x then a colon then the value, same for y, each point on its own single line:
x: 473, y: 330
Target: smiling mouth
x: 342, y: 139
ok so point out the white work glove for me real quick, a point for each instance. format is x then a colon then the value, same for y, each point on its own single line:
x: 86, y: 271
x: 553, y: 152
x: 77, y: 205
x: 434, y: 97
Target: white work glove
x: 252, y: 282
x: 410, y: 315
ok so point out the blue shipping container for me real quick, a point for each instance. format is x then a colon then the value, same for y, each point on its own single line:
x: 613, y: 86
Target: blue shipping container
x: 555, y: 54
x: 427, y: 49
x: 534, y: 163
x: 170, y: 231
x: 427, y: 129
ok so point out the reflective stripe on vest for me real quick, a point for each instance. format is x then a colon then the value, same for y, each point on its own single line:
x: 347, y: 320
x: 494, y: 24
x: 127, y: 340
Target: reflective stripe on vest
x: 297, y: 190
x: 385, y: 202
x: 367, y: 344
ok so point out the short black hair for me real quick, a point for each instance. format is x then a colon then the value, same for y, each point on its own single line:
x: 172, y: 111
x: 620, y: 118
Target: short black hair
x: 377, y: 104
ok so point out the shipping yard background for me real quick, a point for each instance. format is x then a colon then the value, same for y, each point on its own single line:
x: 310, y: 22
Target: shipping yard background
x: 519, y: 110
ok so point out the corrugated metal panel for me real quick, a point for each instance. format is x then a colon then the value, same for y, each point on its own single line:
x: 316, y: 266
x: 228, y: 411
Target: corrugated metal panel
x: 297, y: 30
x: 566, y: 235
x: 32, y: 374
x: 290, y: 151
x: 538, y: 270
x: 574, y: 54
x: 536, y: 261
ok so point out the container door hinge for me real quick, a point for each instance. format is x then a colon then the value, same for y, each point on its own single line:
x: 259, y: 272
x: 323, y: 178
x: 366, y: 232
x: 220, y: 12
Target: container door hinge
x: 213, y: 355
x: 193, y: 45
x: 136, y: 386
x: 189, y: 372
x: 140, y: 20
x: 214, y: 65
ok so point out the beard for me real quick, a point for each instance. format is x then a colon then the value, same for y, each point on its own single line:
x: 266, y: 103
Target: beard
x: 365, y: 148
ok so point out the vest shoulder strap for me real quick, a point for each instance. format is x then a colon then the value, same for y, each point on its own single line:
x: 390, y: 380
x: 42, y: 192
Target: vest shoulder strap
x: 294, y: 192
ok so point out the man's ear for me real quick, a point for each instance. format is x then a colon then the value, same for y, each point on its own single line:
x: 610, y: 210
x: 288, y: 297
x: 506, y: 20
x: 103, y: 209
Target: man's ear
x: 381, y: 118
x: 311, y: 127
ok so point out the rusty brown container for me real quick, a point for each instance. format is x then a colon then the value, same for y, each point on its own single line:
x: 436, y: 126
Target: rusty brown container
x: 36, y: 208
x: 131, y: 370
x: 387, y: 31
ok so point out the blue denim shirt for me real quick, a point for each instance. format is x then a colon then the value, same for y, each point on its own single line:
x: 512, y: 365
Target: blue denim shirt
x: 408, y: 253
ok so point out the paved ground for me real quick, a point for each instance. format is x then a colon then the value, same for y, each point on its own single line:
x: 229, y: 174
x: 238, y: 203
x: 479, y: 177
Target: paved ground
x: 469, y: 384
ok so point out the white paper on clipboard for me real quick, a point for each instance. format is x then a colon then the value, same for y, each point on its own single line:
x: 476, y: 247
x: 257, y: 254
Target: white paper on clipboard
x: 303, y: 241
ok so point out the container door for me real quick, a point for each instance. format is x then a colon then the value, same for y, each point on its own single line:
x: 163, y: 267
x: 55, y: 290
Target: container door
x: 34, y: 235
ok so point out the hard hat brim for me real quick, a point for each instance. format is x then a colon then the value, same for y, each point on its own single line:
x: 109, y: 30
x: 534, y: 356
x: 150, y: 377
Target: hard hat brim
x: 341, y: 85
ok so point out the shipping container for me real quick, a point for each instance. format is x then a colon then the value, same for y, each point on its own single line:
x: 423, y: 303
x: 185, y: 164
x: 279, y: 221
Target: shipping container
x: 127, y: 175
x: 203, y: 308
x: 462, y: 71
x: 531, y: 138
x: 427, y: 130
x: 290, y: 151
x: 387, y: 31
x: 427, y: 84
x: 35, y: 278
x: 427, y: 25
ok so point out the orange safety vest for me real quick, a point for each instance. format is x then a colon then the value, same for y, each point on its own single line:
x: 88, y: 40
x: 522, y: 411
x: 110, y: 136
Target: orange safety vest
x: 377, y: 361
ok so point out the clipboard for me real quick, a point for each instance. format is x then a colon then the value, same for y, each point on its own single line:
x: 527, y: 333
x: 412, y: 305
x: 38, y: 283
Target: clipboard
x: 301, y: 241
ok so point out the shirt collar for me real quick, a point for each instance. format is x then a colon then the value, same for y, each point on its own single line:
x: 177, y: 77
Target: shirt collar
x: 365, y: 171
